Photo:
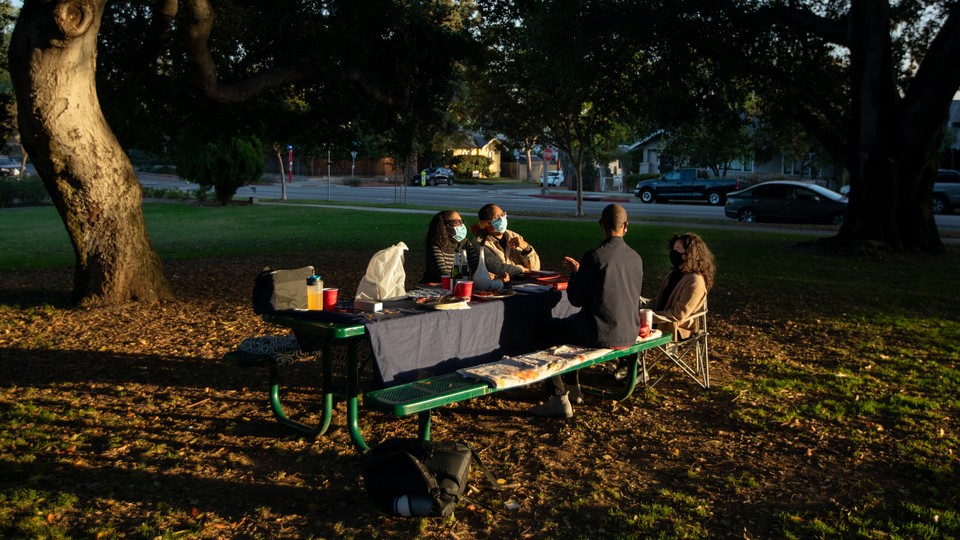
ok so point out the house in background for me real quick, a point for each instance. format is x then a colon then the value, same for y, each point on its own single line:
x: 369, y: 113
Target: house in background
x: 781, y: 166
x: 475, y: 144
x: 648, y: 148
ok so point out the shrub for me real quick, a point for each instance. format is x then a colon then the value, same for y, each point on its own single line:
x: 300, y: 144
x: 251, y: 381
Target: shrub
x: 25, y: 191
x: 463, y: 166
x: 167, y: 193
x: 224, y: 165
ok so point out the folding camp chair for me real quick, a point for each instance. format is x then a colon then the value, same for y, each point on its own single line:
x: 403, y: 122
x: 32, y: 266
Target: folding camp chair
x: 691, y: 355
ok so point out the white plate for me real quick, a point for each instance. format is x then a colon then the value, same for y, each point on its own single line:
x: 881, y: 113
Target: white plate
x: 497, y: 295
x: 451, y: 305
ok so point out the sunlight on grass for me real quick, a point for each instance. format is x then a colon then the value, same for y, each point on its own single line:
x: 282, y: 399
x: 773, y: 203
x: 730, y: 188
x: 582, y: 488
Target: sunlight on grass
x: 28, y: 513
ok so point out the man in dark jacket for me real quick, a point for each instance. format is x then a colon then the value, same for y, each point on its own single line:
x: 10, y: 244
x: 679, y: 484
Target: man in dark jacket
x: 605, y: 284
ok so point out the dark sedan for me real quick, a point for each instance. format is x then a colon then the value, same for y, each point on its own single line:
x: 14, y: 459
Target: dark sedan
x: 433, y: 176
x: 786, y: 201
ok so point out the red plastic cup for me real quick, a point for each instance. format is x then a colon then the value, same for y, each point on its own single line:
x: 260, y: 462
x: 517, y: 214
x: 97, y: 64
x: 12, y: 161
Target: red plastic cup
x: 445, y: 282
x: 463, y: 289
x: 330, y: 298
x: 646, y: 322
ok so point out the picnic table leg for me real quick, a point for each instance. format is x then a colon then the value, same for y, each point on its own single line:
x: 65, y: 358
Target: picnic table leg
x: 423, y: 425
x: 326, y: 414
x: 627, y: 391
x: 353, y: 391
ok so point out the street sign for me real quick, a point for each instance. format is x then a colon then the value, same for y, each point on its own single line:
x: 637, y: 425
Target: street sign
x: 516, y: 154
x: 548, y: 154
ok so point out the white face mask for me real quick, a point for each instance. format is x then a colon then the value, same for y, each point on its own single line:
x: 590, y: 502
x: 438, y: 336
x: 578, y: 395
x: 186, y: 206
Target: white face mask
x: 500, y: 224
x: 459, y: 232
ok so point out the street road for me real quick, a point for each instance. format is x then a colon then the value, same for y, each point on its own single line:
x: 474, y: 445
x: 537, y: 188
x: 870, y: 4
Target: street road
x: 556, y: 203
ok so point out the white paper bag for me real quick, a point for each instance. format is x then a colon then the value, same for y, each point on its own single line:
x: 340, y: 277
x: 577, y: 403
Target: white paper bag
x: 385, y: 276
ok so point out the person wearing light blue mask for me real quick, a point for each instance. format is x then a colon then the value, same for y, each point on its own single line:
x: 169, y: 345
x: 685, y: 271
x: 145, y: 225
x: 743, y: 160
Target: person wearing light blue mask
x: 446, y: 236
x: 506, y: 253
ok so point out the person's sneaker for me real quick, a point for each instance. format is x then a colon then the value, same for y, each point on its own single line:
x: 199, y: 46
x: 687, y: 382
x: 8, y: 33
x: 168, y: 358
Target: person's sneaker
x: 575, y: 395
x: 555, y: 406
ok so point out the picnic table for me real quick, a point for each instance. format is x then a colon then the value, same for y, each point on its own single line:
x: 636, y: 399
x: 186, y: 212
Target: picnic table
x: 411, y: 342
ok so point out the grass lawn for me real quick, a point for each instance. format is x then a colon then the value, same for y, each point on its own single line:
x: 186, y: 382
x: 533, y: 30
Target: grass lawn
x: 834, y: 411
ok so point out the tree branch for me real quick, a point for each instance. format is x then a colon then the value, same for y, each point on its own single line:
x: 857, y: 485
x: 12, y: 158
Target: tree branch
x: 200, y: 18
x: 939, y: 74
x: 833, y: 30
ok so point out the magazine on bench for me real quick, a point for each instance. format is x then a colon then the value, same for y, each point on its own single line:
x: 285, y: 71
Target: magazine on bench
x: 512, y: 371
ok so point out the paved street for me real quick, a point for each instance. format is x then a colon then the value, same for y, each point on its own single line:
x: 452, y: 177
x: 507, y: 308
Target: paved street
x: 557, y: 203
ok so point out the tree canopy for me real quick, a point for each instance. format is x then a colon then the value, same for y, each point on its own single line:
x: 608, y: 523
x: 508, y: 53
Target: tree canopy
x: 869, y: 81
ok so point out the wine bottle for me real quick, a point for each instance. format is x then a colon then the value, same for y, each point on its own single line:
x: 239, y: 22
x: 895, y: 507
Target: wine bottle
x: 464, y: 264
x: 455, y: 273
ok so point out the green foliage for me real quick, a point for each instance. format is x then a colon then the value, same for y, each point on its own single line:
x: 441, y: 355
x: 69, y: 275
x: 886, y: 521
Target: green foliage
x: 225, y: 165
x: 26, y: 191
x: 464, y: 165
x: 167, y: 193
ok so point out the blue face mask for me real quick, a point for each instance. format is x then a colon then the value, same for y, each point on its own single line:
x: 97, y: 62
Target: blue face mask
x: 500, y: 224
x: 459, y: 232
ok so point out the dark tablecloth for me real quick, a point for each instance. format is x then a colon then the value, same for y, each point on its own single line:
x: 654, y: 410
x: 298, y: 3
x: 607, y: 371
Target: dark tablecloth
x: 410, y: 342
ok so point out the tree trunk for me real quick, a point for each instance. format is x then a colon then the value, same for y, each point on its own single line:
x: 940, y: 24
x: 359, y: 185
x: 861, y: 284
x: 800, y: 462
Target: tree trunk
x: 53, y: 54
x: 895, y: 145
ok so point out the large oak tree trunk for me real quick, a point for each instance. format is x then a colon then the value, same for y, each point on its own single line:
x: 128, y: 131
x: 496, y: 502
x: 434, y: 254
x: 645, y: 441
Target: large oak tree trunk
x: 91, y: 181
x: 894, y: 144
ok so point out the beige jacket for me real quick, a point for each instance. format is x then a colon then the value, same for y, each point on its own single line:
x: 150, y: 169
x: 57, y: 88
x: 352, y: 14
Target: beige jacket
x: 510, y: 261
x: 687, y: 298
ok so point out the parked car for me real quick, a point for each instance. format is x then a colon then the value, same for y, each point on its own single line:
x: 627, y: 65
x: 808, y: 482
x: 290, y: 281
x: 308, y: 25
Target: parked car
x: 9, y: 167
x: 434, y: 176
x: 787, y: 201
x: 946, y: 191
x: 555, y: 178
x: 684, y: 184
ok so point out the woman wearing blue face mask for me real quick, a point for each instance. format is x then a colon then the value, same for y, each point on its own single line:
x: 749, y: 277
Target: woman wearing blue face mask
x: 506, y: 252
x: 446, y: 236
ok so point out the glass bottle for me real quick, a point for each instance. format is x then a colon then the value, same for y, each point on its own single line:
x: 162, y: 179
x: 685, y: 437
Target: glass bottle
x: 455, y: 272
x: 464, y: 264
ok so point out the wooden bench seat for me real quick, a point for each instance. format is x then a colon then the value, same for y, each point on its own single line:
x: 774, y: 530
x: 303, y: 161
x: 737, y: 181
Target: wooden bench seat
x: 421, y: 397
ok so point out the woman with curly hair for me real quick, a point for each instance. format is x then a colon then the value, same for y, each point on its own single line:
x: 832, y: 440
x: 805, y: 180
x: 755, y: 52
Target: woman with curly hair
x: 683, y: 291
x: 447, y: 235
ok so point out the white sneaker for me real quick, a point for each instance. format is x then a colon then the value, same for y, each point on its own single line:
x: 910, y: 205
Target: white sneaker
x: 555, y: 406
x: 575, y: 394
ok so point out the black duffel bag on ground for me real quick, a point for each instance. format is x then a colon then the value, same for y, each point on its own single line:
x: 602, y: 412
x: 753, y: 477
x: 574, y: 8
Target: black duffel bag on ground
x: 410, y: 477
